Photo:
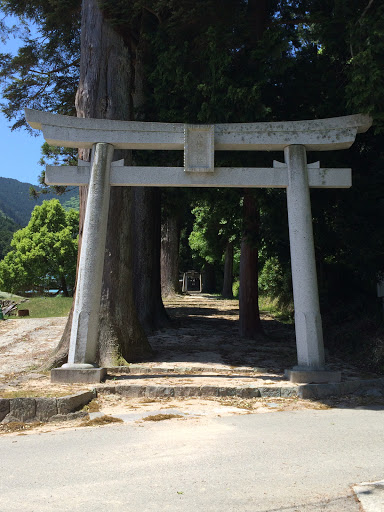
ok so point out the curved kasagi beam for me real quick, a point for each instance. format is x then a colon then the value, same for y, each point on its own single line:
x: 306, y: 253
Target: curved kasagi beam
x: 316, y: 135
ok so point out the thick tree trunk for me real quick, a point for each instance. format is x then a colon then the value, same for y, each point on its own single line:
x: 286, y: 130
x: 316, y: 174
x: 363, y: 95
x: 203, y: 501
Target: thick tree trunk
x: 170, y: 242
x: 209, y: 278
x: 257, y: 19
x: 105, y: 93
x: 147, y: 219
x: 63, y: 285
x: 249, y: 324
x: 147, y: 289
x: 227, y: 292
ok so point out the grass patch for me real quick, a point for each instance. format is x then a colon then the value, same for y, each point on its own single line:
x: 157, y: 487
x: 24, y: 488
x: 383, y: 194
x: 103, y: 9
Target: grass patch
x: 161, y: 417
x: 102, y: 420
x: 271, y: 306
x: 9, y: 296
x: 93, y: 406
x: 18, y: 426
x: 45, y: 307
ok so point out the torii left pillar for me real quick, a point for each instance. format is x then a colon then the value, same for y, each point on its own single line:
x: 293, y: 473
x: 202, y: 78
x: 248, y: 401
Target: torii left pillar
x: 83, y: 347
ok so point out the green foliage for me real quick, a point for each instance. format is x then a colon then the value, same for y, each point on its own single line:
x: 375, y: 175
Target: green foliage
x: 72, y: 203
x: 45, y: 72
x: 271, y: 278
x: 44, y: 253
x: 275, y: 283
x: 7, y: 228
x: 351, y: 34
x: 217, y: 222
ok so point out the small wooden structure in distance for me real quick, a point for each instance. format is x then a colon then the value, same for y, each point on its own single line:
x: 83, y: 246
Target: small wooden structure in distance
x: 192, y: 282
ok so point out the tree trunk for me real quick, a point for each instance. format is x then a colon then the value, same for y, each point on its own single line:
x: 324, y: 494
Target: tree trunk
x: 146, y: 230
x: 147, y: 218
x: 249, y: 321
x: 227, y: 292
x: 257, y: 19
x: 170, y: 242
x: 209, y: 278
x: 105, y: 93
x: 63, y: 285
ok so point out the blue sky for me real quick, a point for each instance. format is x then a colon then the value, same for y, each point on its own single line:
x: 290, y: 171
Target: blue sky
x: 20, y: 152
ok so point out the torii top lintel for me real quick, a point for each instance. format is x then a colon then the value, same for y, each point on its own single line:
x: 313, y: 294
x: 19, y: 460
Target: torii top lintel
x: 316, y: 135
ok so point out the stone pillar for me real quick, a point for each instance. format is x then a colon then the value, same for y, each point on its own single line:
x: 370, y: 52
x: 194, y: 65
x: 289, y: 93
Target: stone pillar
x: 81, y: 366
x: 309, y: 334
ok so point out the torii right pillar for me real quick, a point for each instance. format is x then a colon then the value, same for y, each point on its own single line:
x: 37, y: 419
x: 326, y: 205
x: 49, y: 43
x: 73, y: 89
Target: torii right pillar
x: 308, y: 325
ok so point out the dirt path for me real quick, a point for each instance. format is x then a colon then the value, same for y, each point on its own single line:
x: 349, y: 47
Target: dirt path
x: 25, y: 342
x: 205, y: 333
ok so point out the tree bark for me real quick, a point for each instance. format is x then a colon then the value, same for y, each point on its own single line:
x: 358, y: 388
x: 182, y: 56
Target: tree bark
x: 227, y: 292
x: 257, y: 19
x: 209, y: 278
x: 170, y: 242
x: 146, y: 243
x: 63, y: 284
x: 249, y: 314
x: 147, y: 217
x: 104, y: 92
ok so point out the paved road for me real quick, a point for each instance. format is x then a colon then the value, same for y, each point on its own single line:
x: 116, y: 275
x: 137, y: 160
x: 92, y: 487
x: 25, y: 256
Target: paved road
x: 301, y: 461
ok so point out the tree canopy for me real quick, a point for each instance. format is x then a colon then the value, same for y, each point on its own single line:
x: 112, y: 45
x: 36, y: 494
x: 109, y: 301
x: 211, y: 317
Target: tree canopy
x: 44, y: 253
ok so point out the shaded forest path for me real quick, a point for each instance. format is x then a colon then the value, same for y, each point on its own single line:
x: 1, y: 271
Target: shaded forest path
x: 204, y: 333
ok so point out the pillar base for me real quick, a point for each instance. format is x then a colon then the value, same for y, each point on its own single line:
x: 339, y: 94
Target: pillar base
x: 312, y: 376
x: 72, y: 375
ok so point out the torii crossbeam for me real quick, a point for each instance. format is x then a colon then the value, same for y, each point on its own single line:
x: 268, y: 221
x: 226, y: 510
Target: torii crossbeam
x: 199, y: 143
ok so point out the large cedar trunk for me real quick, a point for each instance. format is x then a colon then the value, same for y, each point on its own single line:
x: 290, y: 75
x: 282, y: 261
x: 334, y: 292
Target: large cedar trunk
x: 105, y: 93
x: 146, y: 243
x: 147, y: 217
x: 170, y: 242
x: 209, y: 278
x: 249, y: 321
x: 227, y: 292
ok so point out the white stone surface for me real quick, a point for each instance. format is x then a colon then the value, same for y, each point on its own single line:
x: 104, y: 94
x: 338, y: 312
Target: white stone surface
x: 371, y: 495
x: 83, y: 342
x: 315, y: 135
x: 199, y: 148
x: 221, y: 177
x: 309, y: 336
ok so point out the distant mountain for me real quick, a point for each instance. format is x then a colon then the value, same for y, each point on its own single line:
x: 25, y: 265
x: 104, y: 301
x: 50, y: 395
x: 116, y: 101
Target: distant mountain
x: 17, y: 204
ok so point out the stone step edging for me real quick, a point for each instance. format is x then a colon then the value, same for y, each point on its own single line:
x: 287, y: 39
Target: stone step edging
x: 42, y: 408
x: 340, y: 388
x: 306, y: 391
x: 136, y: 369
x: 140, y: 391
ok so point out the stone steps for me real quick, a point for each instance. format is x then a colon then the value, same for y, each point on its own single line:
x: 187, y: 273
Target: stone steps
x: 173, y: 388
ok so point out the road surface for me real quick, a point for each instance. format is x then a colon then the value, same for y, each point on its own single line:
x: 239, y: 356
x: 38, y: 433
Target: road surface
x: 298, y: 461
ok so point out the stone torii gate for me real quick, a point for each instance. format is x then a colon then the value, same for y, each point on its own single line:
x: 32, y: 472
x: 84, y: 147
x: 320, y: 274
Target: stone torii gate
x: 199, y: 143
